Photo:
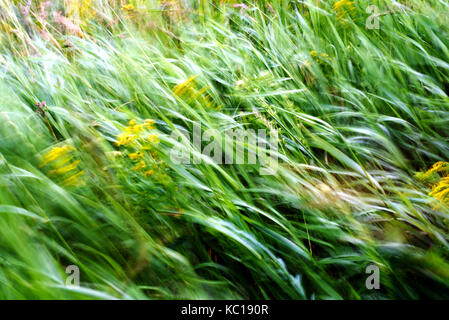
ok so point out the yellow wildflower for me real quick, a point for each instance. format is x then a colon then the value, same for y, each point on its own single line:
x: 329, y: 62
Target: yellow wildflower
x: 148, y: 123
x: 135, y: 155
x: 440, y: 185
x: 201, y: 92
x: 182, y: 87
x: 342, y: 7
x: 148, y: 173
x: 133, y: 132
x: 141, y: 165
x: 342, y: 3
x: 80, y: 9
x: 125, y: 138
x: 441, y: 190
x: 128, y: 7
x: 74, y: 180
x: 438, y: 167
x: 153, y: 138
x: 135, y: 128
x: 317, y: 55
x: 86, y: 10
x: 56, y: 153
x: 67, y: 168
x: 442, y: 194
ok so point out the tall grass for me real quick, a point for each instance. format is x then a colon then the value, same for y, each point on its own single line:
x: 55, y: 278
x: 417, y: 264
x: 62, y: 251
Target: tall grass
x: 358, y: 112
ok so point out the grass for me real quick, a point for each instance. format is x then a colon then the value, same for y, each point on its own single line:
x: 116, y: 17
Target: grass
x: 360, y: 113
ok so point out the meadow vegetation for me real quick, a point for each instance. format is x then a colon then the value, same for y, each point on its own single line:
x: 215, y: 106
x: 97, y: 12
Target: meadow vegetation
x: 91, y: 90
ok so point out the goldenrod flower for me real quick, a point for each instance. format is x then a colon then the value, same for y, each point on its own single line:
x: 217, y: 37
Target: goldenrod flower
x: 125, y: 138
x: 135, y: 155
x: 128, y: 7
x: 153, y: 138
x: 318, y: 55
x: 67, y: 168
x: 135, y: 128
x: 56, y: 153
x: 148, y: 173
x: 133, y: 132
x: 342, y: 7
x: 86, y: 10
x: 148, y: 123
x: 342, y: 3
x: 442, y: 194
x: 438, y: 167
x: 141, y: 165
x: 74, y: 180
x: 440, y: 185
x: 182, y: 87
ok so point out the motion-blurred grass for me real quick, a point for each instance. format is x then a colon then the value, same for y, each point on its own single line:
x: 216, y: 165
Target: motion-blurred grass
x: 361, y: 114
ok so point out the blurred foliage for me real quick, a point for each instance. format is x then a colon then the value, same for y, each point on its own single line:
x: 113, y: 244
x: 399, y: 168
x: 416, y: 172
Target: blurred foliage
x: 90, y: 92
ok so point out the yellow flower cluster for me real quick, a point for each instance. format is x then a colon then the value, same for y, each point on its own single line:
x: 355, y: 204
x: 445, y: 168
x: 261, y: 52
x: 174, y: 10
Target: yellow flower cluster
x: 80, y: 9
x: 187, y: 89
x: 55, y: 153
x: 86, y: 10
x: 143, y: 155
x: 439, y: 166
x: 182, y: 87
x: 438, y: 178
x: 319, y: 56
x: 135, y: 155
x: 129, y: 10
x: 74, y: 180
x: 60, y: 161
x: 441, y: 190
x: 128, y: 7
x: 133, y: 132
x: 344, y: 7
